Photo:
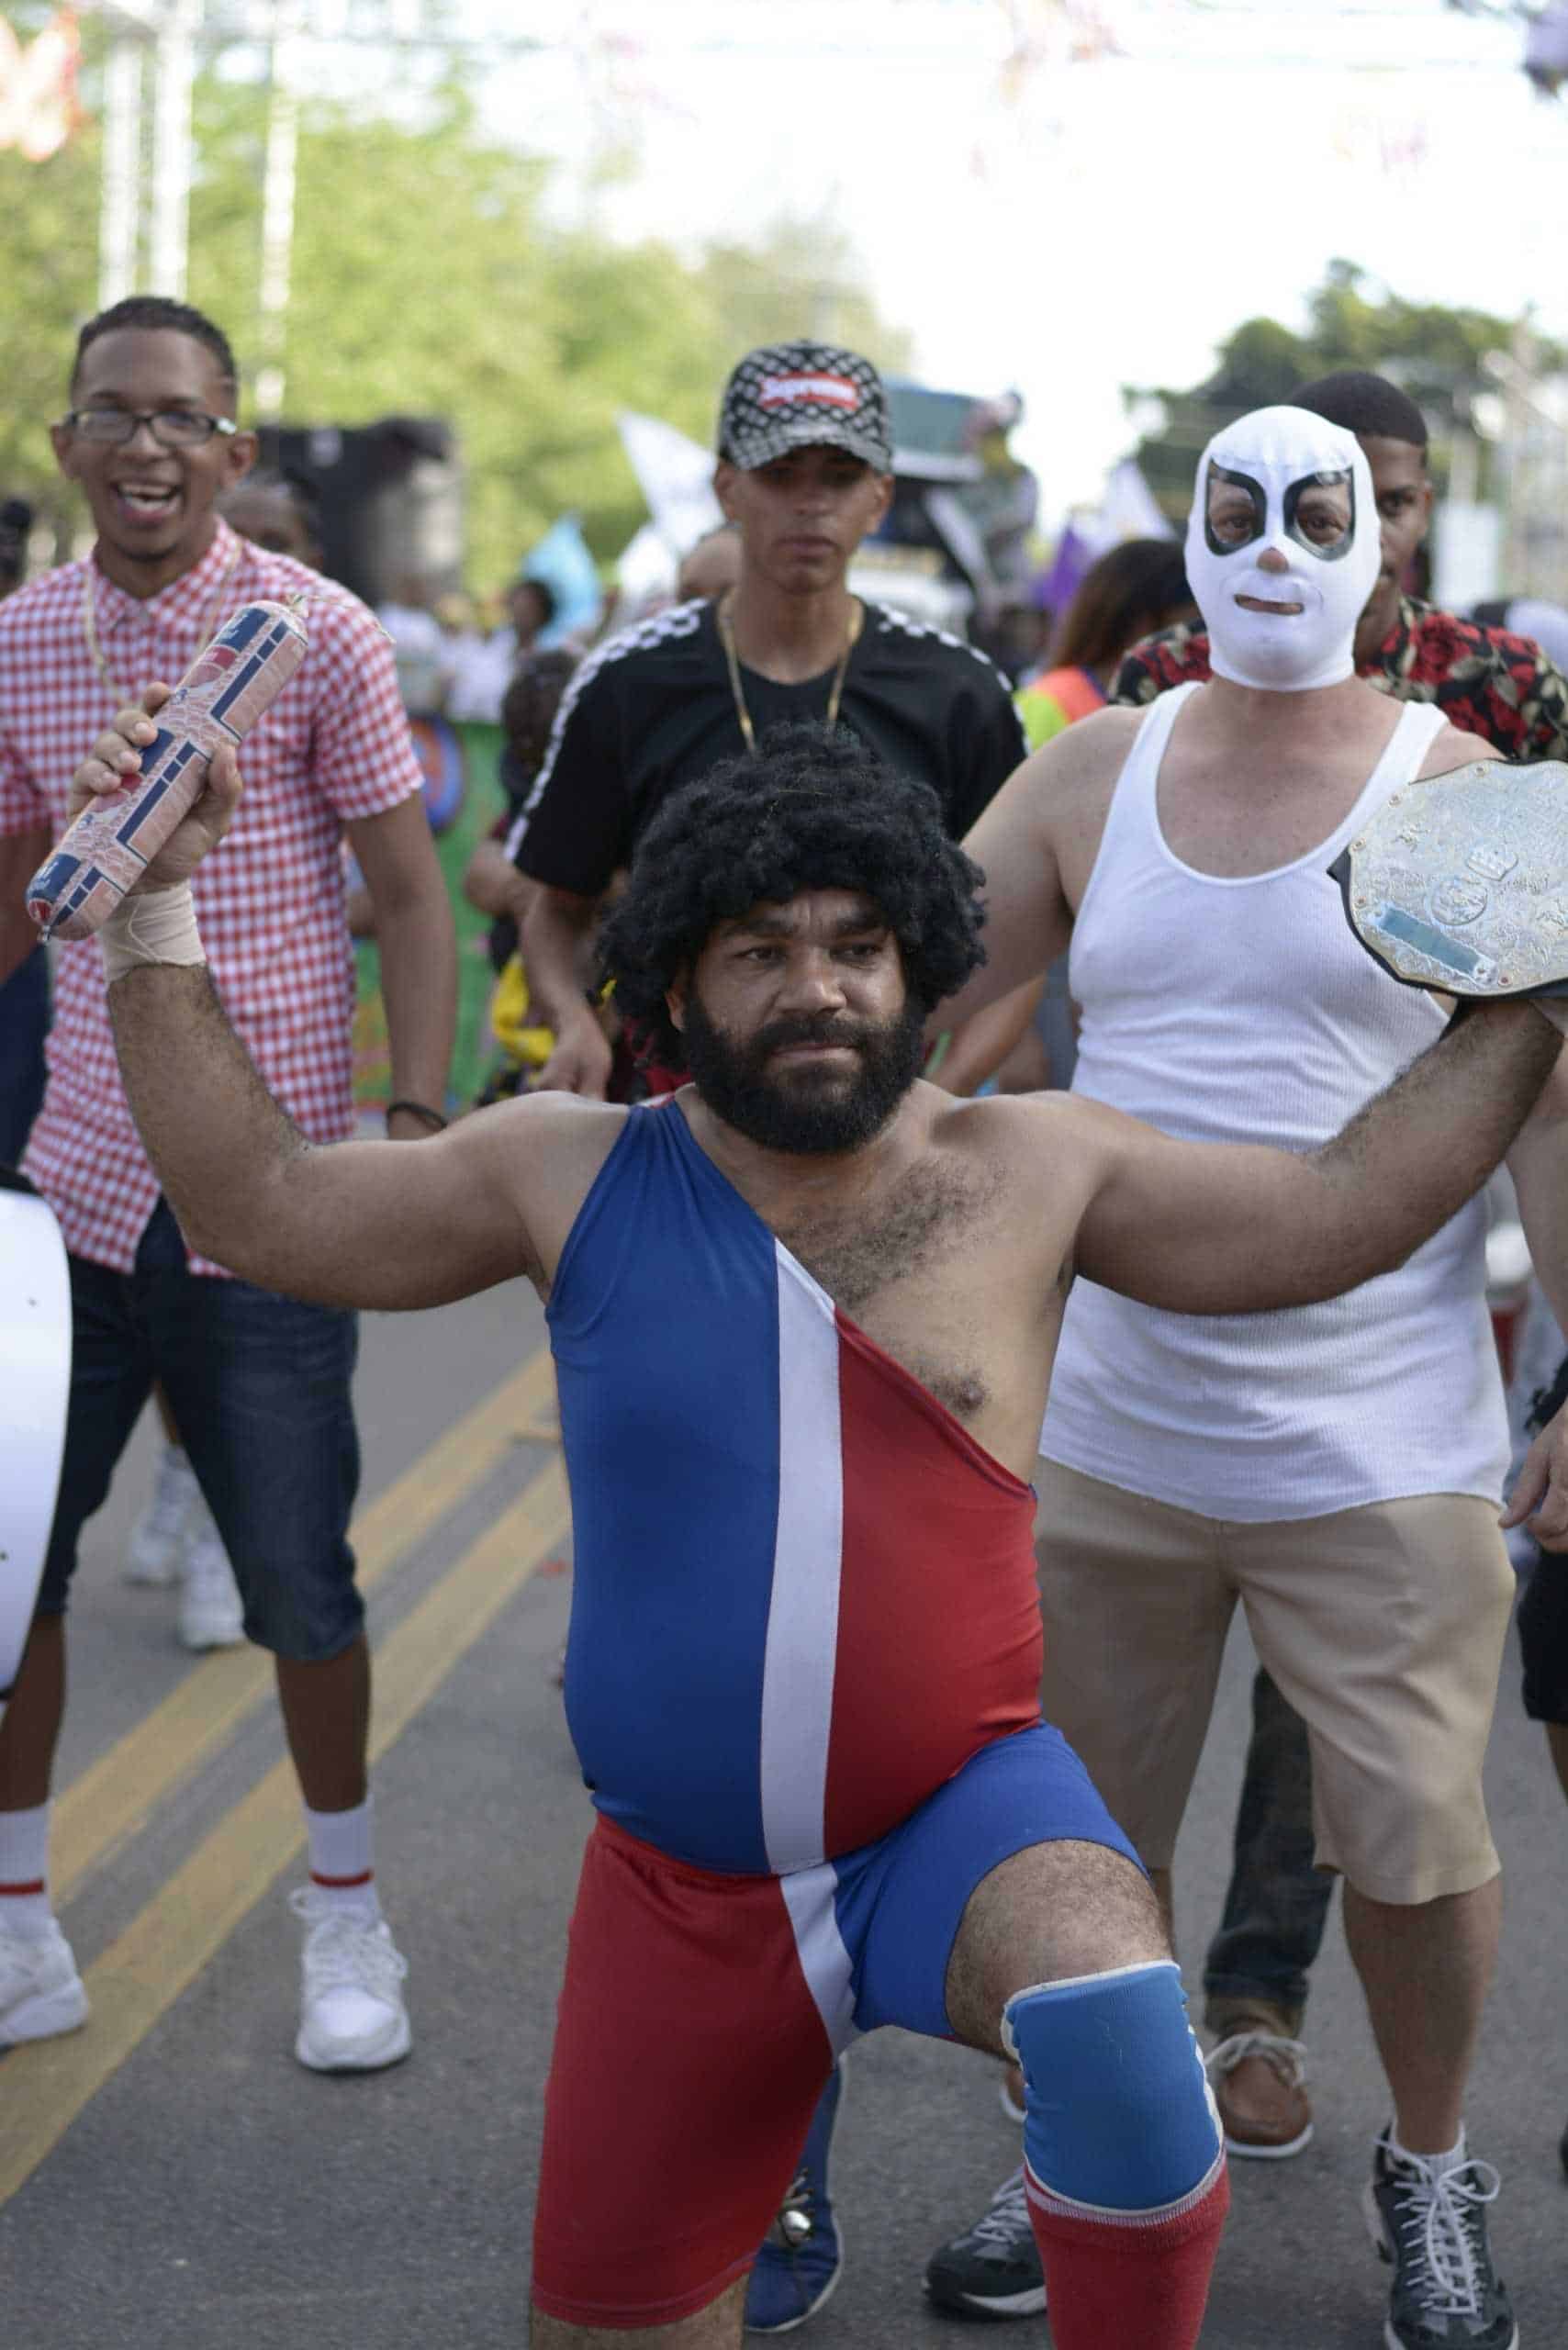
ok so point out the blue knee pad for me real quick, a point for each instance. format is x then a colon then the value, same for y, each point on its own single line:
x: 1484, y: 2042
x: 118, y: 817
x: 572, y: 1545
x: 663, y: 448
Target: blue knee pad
x: 1119, y: 2112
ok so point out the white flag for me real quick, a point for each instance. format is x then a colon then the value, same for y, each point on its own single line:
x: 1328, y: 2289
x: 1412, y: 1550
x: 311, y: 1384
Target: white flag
x: 676, y: 475
x: 1127, y: 510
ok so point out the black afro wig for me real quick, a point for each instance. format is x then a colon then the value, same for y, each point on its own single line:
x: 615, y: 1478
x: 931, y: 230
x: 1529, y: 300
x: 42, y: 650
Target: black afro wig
x: 816, y: 810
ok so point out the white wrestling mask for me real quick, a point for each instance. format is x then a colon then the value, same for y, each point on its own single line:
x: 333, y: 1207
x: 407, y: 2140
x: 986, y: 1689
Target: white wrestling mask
x: 1285, y: 483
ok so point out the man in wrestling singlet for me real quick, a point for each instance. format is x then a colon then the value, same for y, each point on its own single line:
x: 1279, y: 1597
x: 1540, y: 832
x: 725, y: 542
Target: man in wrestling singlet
x: 803, y: 1314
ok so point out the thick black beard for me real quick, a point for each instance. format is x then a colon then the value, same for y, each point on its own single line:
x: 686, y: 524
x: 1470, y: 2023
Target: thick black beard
x: 814, y: 1110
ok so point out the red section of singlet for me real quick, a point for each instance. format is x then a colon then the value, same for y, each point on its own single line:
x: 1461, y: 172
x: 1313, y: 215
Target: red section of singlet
x: 689, y: 2057
x: 939, y: 1647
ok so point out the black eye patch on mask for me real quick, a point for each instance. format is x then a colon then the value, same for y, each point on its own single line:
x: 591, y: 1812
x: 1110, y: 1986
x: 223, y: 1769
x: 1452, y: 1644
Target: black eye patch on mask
x: 1254, y: 490
x: 1330, y: 550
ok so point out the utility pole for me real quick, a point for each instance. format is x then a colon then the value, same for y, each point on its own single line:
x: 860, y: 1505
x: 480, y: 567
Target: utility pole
x: 173, y: 148
x: 120, y: 200
x: 277, y: 204
x: 144, y: 214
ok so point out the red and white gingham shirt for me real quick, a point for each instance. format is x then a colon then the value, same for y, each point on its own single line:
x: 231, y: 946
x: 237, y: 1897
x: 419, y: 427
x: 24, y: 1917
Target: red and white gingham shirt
x: 333, y: 747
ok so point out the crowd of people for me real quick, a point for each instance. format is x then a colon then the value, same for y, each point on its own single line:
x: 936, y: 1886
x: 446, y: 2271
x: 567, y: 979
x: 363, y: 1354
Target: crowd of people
x: 952, y: 1324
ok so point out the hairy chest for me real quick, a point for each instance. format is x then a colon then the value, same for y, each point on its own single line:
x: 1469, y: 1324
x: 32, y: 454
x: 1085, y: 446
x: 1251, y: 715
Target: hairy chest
x: 914, y: 1268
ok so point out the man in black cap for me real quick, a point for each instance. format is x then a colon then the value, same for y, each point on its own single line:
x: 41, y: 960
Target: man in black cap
x: 804, y: 473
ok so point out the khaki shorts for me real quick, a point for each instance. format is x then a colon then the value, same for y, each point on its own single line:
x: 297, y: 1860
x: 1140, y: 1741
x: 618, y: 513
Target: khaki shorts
x: 1383, y: 1626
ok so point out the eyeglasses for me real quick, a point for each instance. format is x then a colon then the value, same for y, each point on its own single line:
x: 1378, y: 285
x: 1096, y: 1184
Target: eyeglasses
x: 171, y: 428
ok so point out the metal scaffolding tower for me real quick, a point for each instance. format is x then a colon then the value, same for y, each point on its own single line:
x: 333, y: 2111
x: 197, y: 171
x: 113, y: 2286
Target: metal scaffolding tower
x: 147, y: 150
x: 144, y: 208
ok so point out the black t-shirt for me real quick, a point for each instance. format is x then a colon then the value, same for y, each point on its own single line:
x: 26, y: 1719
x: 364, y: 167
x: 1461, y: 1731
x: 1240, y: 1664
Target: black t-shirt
x: 651, y: 710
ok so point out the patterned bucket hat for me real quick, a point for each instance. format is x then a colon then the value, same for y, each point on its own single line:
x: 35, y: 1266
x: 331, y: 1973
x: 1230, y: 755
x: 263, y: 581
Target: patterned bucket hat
x: 804, y: 396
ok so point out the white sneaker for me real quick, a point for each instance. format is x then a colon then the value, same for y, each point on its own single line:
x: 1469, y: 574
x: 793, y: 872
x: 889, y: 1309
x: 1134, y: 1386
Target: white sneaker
x: 351, y: 2016
x: 158, y: 1538
x: 212, y: 1613
x: 40, y: 1991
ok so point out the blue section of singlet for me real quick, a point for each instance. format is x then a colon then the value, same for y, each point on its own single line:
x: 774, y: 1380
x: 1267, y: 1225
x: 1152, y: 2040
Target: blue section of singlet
x: 663, y: 1320
x: 898, y: 1903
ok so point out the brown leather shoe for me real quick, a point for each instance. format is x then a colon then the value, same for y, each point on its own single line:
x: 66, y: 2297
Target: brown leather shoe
x: 1259, y: 2083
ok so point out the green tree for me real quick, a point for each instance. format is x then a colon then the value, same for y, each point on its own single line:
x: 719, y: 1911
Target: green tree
x: 1435, y: 355
x: 429, y: 278
x: 46, y: 288
x: 801, y: 278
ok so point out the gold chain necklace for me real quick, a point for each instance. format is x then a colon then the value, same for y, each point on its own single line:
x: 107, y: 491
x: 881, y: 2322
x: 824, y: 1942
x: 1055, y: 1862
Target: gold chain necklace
x: 90, y: 621
x: 727, y: 638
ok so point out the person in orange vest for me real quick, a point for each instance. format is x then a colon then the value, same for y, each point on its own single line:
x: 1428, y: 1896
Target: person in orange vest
x: 1129, y: 593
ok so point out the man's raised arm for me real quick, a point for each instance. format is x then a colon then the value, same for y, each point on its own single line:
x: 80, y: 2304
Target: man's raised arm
x: 374, y: 1225
x: 1239, y: 1228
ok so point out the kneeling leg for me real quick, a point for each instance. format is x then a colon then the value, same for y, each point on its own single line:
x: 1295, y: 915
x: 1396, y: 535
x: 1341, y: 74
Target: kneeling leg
x: 1123, y: 2160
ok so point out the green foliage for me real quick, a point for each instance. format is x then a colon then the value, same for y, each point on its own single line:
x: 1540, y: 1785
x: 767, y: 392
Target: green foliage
x: 428, y: 277
x: 46, y: 289
x: 1433, y: 353
x: 802, y: 281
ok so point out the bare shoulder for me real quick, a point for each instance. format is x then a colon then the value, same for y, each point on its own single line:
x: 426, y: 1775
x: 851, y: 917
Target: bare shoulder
x: 1454, y: 748
x: 1056, y: 1143
x: 558, y: 1129
x: 1091, y: 753
x: 543, y: 1150
x: 539, y: 1155
x: 1071, y: 779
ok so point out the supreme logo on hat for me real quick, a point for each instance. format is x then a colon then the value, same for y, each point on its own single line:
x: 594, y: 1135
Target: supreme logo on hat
x: 790, y: 391
x: 794, y: 394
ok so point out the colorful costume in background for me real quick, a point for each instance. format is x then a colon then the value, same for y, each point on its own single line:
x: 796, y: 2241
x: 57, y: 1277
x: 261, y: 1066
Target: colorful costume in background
x: 1055, y: 700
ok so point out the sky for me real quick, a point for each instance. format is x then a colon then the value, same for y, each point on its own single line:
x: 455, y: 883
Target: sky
x: 1063, y: 197
x: 1068, y: 196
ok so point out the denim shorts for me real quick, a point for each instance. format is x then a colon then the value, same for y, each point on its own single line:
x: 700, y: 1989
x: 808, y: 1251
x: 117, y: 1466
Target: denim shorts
x: 259, y: 1386
x: 24, y: 1023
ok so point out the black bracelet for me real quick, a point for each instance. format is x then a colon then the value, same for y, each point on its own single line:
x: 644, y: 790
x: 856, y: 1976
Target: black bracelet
x: 433, y: 1118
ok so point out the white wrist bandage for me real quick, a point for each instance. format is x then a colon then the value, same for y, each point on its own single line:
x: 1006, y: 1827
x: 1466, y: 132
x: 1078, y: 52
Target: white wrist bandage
x: 152, y: 926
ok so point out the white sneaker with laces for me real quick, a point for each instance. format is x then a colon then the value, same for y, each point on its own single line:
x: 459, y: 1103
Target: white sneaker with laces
x: 40, y: 1991
x: 351, y: 2016
x: 212, y: 1613
x: 158, y: 1538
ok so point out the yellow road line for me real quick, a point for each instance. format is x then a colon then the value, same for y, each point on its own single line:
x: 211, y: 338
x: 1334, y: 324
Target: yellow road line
x: 115, y: 1795
x: 138, y: 1979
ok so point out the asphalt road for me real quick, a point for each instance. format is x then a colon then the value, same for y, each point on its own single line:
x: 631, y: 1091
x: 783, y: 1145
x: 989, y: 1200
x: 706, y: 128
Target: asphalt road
x: 171, y: 2179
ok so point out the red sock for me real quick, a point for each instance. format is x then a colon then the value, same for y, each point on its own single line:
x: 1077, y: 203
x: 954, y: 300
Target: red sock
x: 1126, y: 2284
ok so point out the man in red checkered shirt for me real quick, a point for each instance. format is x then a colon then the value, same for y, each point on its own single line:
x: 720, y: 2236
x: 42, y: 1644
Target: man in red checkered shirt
x: 259, y: 1385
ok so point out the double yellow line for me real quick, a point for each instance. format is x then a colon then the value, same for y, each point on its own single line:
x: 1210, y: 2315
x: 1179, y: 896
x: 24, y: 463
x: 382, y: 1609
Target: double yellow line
x: 44, y: 2085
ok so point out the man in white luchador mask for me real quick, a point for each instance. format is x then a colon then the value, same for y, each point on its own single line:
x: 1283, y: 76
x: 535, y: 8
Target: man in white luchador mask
x: 1336, y: 1468
x: 1278, y: 564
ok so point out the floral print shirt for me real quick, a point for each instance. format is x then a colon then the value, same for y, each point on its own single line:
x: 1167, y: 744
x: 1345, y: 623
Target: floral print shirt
x: 1485, y: 681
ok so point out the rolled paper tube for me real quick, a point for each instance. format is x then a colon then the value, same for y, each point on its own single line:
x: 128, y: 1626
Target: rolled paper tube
x: 107, y: 849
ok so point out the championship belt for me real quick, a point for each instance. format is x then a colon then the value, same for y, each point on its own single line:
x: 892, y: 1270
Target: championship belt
x: 35, y: 1387
x: 1461, y: 880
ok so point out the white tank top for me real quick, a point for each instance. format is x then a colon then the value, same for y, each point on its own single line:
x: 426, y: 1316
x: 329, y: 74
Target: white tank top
x: 1243, y: 1010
